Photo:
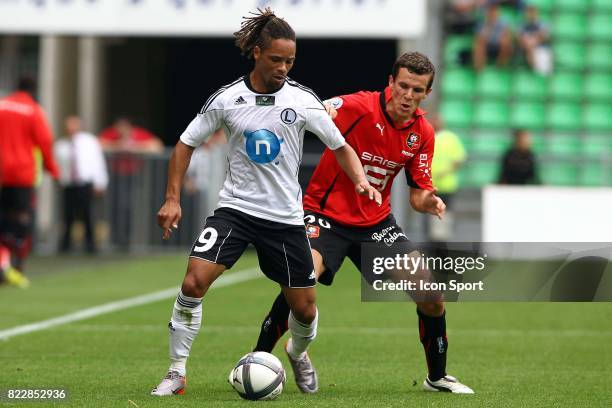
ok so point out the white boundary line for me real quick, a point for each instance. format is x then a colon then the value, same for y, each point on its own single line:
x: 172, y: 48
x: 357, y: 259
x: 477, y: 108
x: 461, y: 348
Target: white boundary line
x: 224, y: 280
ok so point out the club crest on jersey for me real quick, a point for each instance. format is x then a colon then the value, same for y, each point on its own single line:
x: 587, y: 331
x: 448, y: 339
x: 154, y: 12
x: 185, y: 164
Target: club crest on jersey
x: 312, y: 231
x: 336, y: 103
x: 288, y: 116
x: 413, y: 141
x: 262, y: 146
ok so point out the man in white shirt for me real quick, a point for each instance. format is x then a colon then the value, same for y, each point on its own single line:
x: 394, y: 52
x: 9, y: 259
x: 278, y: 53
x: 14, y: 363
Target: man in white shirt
x: 83, y: 174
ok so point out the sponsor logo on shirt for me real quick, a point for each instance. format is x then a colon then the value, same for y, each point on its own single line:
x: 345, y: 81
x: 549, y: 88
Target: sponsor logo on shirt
x: 262, y: 146
x: 264, y: 100
x: 240, y: 101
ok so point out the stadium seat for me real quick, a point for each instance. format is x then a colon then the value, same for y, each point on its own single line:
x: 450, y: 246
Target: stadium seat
x: 491, y: 115
x: 528, y: 115
x: 489, y: 143
x: 457, y: 113
x: 458, y: 82
x: 601, y: 5
x: 559, y: 173
x: 528, y: 85
x: 455, y: 45
x: 598, y: 117
x: 598, y: 86
x: 572, y: 5
x: 593, y: 174
x: 569, y: 55
x: 543, y: 5
x: 597, y: 146
x: 599, y: 56
x: 566, y: 86
x: 537, y: 143
x: 479, y: 173
x: 564, y: 145
x: 570, y: 26
x: 600, y: 27
x: 493, y: 82
x: 511, y: 17
x: 563, y: 116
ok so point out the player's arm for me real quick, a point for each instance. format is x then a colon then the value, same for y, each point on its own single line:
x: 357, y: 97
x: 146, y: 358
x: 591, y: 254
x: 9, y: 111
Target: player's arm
x: 199, y: 130
x: 321, y: 125
x: 426, y: 201
x: 44, y: 140
x: 351, y: 165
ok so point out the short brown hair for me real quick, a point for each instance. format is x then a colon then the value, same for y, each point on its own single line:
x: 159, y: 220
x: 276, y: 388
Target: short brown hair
x: 416, y: 63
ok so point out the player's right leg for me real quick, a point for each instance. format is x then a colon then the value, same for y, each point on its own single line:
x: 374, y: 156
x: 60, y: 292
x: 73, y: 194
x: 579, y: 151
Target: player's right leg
x: 218, y: 247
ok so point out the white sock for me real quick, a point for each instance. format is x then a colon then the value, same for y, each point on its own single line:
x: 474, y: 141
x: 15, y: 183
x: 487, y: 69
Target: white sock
x: 301, y: 336
x: 183, y: 328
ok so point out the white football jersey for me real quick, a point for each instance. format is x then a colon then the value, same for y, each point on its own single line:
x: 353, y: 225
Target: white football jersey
x: 265, y: 133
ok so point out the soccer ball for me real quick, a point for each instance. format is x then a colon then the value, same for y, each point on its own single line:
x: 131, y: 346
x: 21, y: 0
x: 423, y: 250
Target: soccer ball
x: 258, y: 376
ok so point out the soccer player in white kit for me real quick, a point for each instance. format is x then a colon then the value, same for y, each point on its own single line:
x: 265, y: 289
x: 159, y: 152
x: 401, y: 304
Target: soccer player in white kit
x: 265, y: 115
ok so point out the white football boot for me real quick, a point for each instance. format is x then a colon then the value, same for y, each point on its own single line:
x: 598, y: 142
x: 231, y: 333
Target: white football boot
x: 172, y: 384
x: 448, y: 383
x: 305, y: 374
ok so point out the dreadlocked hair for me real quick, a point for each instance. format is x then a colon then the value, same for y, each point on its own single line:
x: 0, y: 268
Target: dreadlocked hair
x: 260, y: 29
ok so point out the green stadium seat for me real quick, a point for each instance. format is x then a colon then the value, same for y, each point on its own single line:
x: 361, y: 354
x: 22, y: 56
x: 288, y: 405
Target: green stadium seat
x: 454, y: 46
x: 529, y: 85
x: 597, y: 117
x: 601, y: 5
x: 600, y: 27
x: 543, y: 5
x: 564, y: 116
x: 598, y: 86
x: 593, y: 174
x: 555, y: 173
x: 457, y: 113
x: 569, y: 55
x: 564, y: 145
x: 458, y: 82
x: 511, y: 17
x: 528, y: 115
x: 599, y: 56
x: 572, y: 5
x: 493, y: 82
x: 491, y: 115
x: 479, y: 173
x: 490, y: 143
x: 597, y: 146
x: 569, y: 26
x: 566, y: 85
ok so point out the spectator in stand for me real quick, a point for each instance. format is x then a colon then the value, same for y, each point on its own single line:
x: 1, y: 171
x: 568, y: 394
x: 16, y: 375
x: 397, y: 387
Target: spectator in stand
x: 461, y: 15
x: 519, y: 162
x: 23, y: 128
x: 534, y: 41
x: 83, y: 176
x: 123, y: 136
x: 126, y: 144
x: 493, y: 41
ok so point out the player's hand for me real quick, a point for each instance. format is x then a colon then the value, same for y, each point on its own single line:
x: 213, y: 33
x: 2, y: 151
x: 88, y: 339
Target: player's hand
x: 434, y: 204
x: 365, y: 188
x: 330, y: 110
x: 168, y: 217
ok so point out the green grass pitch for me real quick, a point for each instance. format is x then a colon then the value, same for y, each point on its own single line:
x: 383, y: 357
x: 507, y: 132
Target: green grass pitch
x: 367, y: 354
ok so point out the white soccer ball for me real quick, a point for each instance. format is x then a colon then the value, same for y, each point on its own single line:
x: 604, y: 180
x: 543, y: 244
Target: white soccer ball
x: 258, y: 376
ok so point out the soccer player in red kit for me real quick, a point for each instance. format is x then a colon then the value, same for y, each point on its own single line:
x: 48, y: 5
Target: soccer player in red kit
x: 389, y: 133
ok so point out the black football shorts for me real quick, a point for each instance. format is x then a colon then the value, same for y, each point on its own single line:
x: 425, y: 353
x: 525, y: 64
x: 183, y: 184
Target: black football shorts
x: 335, y: 241
x: 283, y: 250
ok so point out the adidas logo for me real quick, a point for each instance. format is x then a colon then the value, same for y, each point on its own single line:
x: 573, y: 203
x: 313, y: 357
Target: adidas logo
x: 312, y: 275
x: 240, y: 101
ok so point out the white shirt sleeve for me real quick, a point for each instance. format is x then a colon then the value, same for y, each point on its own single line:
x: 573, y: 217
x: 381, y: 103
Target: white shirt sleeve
x: 100, y: 177
x: 206, y: 122
x: 319, y: 123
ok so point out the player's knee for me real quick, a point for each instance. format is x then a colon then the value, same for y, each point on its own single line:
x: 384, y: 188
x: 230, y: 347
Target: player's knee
x: 191, y: 287
x: 305, y: 312
x: 432, y: 309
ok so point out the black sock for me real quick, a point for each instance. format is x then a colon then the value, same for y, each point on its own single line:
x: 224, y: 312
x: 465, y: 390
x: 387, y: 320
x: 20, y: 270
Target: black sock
x: 432, y: 331
x: 274, y: 325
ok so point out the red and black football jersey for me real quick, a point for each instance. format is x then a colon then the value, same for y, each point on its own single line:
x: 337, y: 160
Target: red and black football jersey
x: 383, y: 148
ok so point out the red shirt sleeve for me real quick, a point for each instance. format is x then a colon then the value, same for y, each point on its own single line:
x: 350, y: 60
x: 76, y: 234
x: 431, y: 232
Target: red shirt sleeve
x: 350, y: 109
x: 44, y: 140
x: 418, y: 172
